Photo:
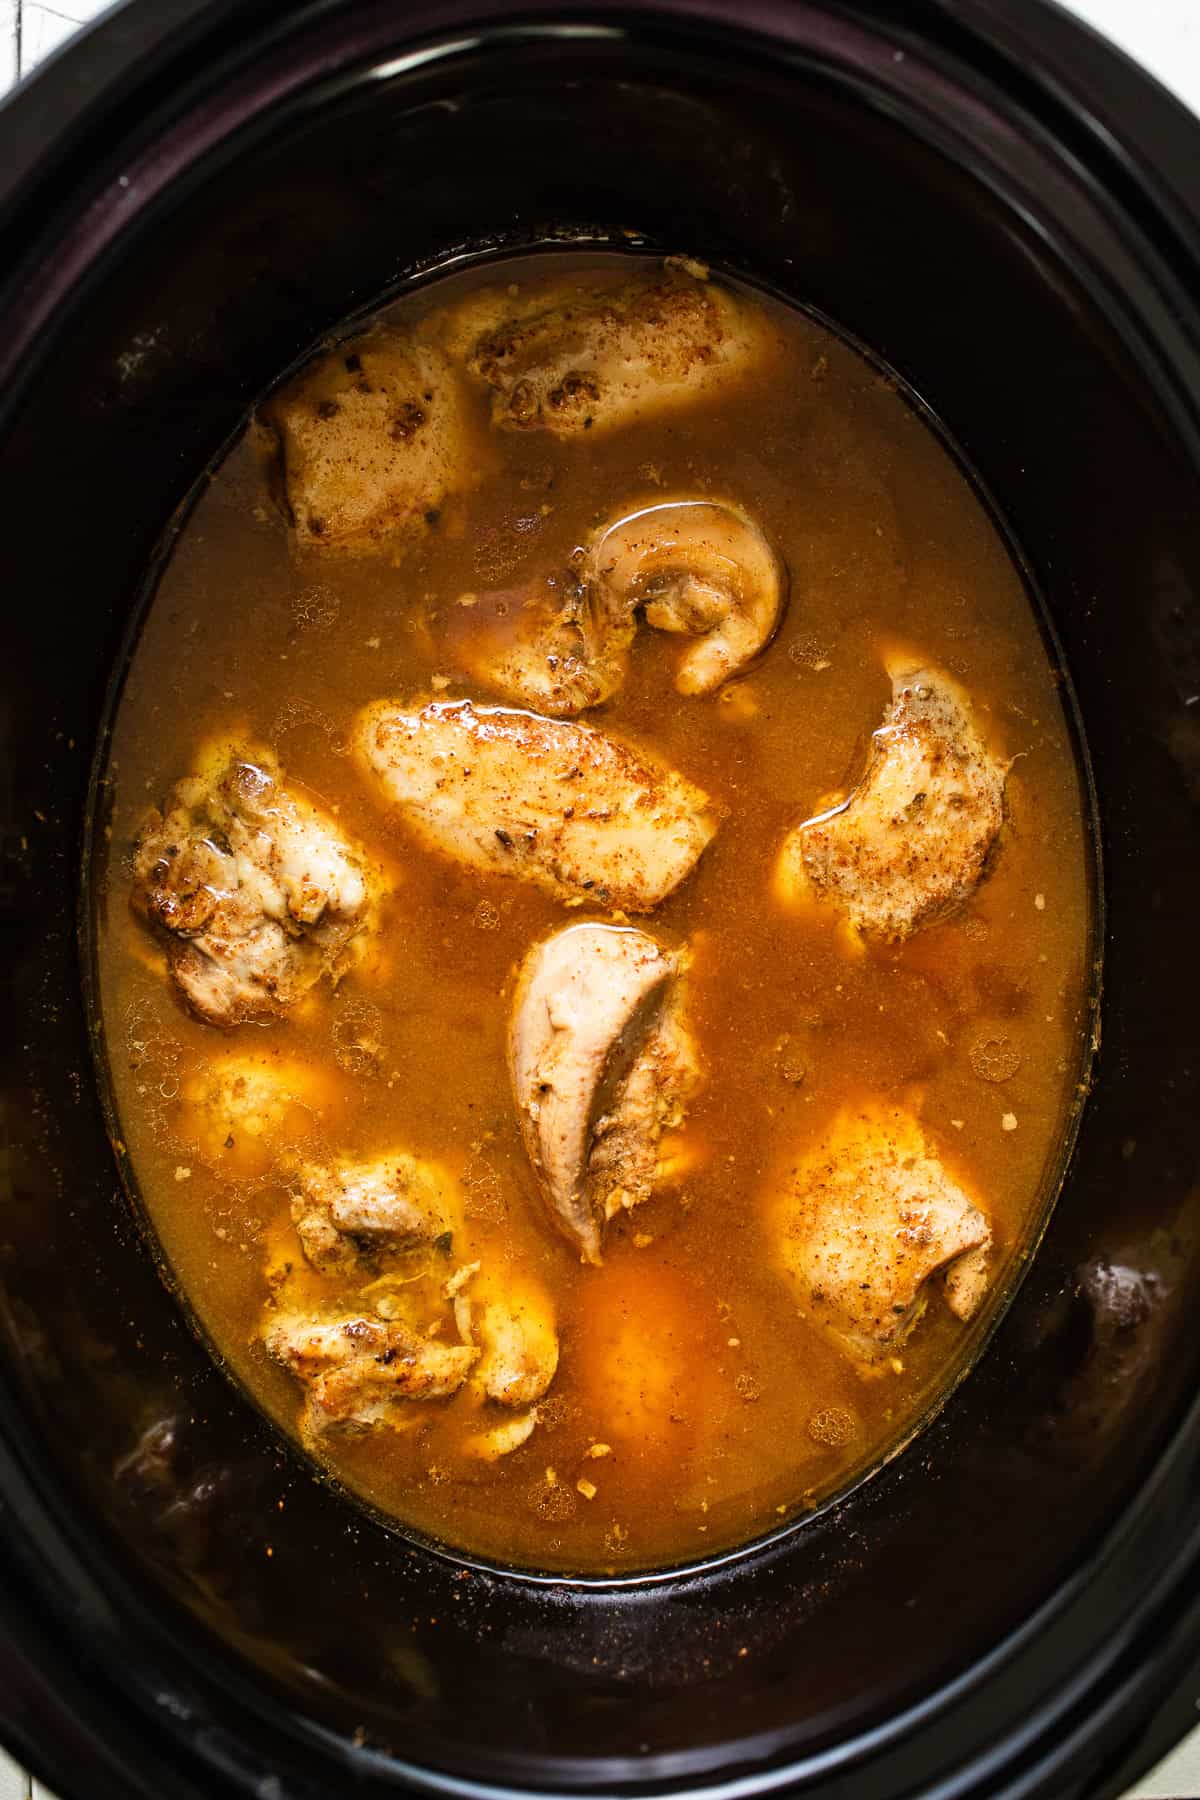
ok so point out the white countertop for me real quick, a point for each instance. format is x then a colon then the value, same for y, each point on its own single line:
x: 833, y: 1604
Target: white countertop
x: 1164, y: 35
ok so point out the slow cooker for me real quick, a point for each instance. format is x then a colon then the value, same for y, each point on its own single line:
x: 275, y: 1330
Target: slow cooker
x: 1007, y: 211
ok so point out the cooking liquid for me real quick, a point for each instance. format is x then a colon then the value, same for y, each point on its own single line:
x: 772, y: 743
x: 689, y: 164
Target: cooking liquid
x: 723, y: 1412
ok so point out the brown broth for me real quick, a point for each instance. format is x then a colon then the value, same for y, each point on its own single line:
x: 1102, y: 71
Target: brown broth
x: 685, y: 1352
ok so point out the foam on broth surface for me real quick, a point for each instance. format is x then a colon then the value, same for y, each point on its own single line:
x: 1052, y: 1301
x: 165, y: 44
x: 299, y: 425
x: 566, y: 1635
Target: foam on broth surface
x: 693, y: 1407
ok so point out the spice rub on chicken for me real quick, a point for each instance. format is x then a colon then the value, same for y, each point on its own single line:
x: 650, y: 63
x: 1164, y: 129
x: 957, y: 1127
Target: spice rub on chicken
x: 584, y: 816
x: 602, y: 1064
x: 696, y: 566
x: 366, y: 441
x: 348, y: 1211
x: 358, y: 1369
x: 592, y: 359
x: 869, y: 1223
x: 255, y: 891
x: 912, y: 841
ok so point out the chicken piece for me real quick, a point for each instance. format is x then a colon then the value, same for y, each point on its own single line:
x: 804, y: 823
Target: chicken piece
x: 240, y: 1109
x: 701, y: 567
x: 256, y: 892
x: 584, y: 816
x: 912, y: 841
x: 560, y: 647
x: 631, y: 1154
x: 348, y: 1211
x: 694, y: 566
x: 868, y: 1222
x: 601, y: 1064
x: 356, y: 1369
x: 366, y: 441
x: 511, y: 1318
x: 585, y: 359
x: 512, y: 1321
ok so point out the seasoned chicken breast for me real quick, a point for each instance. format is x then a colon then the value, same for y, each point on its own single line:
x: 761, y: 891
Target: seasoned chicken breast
x: 346, y: 1212
x: 912, y: 841
x: 868, y: 1223
x: 586, y: 359
x: 366, y: 441
x: 696, y: 566
x: 584, y: 816
x: 356, y: 1369
x: 255, y: 891
x: 601, y: 1065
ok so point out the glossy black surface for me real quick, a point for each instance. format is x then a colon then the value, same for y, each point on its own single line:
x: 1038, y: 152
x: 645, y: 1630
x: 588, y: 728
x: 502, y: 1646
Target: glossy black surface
x: 1008, y: 213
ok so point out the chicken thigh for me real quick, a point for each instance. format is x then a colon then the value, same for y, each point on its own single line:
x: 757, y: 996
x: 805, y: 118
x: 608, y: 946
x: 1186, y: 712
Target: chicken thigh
x: 584, y: 816
x: 591, y: 359
x: 255, y: 891
x: 366, y: 441
x: 368, y: 1318
x: 912, y: 841
x: 357, y: 1369
x: 868, y: 1223
x: 699, y: 567
x: 601, y: 1065
x: 346, y: 1212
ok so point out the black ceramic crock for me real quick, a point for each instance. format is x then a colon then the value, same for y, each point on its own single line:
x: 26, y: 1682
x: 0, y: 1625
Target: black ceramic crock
x: 1010, y: 213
